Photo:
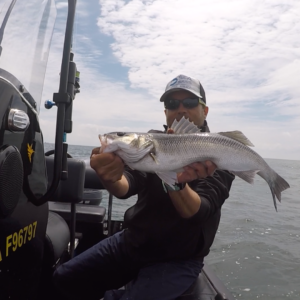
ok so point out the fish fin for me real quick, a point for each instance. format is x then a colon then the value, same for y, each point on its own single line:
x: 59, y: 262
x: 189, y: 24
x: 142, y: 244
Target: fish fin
x: 153, y: 157
x: 277, y: 185
x: 238, y: 136
x: 169, y: 178
x: 131, y: 168
x: 248, y: 176
x: 184, y: 126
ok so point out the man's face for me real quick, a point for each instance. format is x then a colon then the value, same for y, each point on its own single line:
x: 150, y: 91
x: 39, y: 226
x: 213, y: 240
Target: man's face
x: 196, y: 115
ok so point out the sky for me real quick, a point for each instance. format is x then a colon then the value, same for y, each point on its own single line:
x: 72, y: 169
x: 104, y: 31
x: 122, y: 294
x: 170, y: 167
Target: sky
x: 245, y: 53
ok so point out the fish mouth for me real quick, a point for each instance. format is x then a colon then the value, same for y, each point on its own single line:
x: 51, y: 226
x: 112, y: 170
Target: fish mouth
x: 103, y: 142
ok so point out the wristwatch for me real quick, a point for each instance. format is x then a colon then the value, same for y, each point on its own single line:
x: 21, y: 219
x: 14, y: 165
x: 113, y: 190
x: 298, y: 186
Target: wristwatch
x: 175, y: 187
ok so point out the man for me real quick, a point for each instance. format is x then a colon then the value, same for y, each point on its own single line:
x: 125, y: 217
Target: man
x: 168, y: 232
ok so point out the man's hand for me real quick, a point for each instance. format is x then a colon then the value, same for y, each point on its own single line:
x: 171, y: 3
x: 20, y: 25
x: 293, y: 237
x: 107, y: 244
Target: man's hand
x: 108, y: 166
x: 197, y: 170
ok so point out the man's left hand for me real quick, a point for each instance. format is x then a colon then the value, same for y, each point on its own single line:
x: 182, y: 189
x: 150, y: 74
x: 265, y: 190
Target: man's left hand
x: 198, y: 170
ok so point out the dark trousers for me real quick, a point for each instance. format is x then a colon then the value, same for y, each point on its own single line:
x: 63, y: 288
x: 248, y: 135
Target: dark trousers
x: 106, y: 267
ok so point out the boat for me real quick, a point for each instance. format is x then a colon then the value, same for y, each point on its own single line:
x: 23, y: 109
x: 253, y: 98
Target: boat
x: 50, y: 203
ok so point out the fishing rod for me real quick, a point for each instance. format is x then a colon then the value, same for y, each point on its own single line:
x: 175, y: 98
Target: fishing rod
x: 68, y: 87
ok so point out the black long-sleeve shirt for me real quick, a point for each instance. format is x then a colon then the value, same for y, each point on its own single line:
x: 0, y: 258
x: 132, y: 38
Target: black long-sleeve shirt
x: 154, y: 229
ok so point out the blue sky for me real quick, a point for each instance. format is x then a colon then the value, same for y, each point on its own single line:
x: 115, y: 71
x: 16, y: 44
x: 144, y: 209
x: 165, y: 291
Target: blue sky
x: 245, y: 53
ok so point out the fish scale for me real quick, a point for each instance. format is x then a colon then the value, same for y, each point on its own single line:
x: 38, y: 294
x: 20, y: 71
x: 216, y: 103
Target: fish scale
x: 199, y: 147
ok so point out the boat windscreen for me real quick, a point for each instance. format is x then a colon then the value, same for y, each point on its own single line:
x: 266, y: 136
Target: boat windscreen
x: 26, y: 29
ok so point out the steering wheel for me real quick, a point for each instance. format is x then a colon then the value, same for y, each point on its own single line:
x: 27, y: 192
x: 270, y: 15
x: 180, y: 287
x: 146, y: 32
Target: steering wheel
x: 51, y: 152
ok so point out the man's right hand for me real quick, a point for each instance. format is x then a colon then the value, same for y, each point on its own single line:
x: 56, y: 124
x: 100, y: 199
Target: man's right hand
x: 108, y: 166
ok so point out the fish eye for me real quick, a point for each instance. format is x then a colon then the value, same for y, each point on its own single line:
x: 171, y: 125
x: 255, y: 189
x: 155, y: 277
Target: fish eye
x: 121, y: 133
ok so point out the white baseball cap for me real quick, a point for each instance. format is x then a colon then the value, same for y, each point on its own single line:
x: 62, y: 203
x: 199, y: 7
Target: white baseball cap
x: 182, y: 82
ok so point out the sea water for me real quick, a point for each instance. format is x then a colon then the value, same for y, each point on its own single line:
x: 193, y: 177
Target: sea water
x: 256, y: 252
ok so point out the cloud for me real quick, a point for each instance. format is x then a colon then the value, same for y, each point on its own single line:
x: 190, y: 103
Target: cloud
x: 246, y: 54
x: 26, y: 41
x: 224, y: 44
x: 60, y: 5
x: 105, y: 106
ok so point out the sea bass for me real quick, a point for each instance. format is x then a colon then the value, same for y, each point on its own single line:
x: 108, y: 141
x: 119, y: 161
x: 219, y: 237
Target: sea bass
x: 167, y: 154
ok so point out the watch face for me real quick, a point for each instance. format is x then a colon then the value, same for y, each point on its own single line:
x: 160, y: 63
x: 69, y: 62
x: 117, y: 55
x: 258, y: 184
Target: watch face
x: 175, y: 187
x: 180, y: 186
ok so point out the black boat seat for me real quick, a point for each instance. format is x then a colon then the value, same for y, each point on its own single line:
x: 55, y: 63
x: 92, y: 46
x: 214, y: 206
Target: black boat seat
x: 57, y: 239
x: 58, y: 233
x: 71, y: 189
x: 84, y: 213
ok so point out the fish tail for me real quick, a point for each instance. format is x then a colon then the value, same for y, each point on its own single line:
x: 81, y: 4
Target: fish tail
x: 277, y: 185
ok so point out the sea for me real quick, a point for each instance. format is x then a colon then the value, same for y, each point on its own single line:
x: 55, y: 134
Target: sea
x: 256, y: 252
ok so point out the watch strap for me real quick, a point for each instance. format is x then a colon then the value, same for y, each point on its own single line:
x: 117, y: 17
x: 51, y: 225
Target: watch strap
x: 175, y: 187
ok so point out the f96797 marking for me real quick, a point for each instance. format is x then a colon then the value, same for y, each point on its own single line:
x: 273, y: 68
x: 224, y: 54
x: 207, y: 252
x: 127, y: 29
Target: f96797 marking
x: 19, y: 238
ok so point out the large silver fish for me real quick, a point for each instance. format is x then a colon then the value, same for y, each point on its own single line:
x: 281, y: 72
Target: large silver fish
x: 167, y: 154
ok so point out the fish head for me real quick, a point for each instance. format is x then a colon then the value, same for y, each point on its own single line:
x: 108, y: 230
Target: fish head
x: 131, y: 147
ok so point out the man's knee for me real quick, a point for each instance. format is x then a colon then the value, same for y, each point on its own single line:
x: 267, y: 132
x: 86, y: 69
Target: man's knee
x: 57, y: 275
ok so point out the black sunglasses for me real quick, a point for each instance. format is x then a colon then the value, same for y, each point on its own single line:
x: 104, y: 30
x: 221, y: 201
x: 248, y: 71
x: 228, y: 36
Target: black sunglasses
x: 187, y: 103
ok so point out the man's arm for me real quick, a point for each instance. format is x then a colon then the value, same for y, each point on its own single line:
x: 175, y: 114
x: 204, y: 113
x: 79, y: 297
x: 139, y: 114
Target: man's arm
x: 186, y: 201
x: 110, y: 168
